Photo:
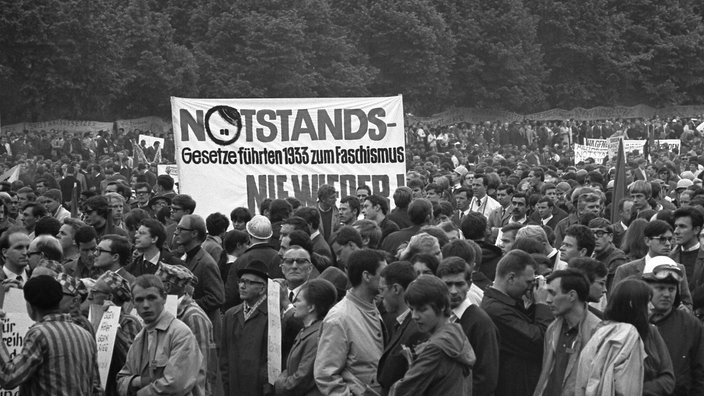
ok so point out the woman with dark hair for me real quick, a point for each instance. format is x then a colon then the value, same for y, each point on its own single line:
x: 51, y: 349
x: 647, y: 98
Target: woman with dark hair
x: 443, y: 364
x: 633, y: 243
x: 425, y: 264
x: 626, y: 355
x: 312, y: 304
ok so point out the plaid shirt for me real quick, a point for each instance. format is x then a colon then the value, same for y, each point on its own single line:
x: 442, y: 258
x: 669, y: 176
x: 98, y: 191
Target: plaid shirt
x: 58, y: 358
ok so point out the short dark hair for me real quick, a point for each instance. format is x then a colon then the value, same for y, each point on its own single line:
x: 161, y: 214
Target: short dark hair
x: 298, y: 223
x: 135, y: 217
x: 326, y: 191
x: 38, y: 210
x: 346, y: 234
x: 240, y: 213
x: 379, y: 200
x: 369, y: 229
x: 591, y: 268
x: 453, y: 266
x: 121, y: 246
x: 419, y: 210
x: 310, y: 215
x: 364, y: 187
x: 85, y: 234
x: 353, y: 203
x: 185, y: 201
x: 400, y: 272
x: 216, y: 223
x: 149, y: 280
x: 572, y: 279
x: 656, y: 228
x: 233, y: 239
x: 47, y: 225
x: 693, y: 213
x: 505, y: 187
x: 402, y: 197
x: 279, y: 210
x: 547, y: 200
x: 473, y: 226
x: 430, y: 260
x: 321, y: 294
x: 99, y: 204
x: 156, y: 229
x: 165, y: 181
x: 459, y: 248
x: 360, y: 261
x: 584, y: 237
x: 428, y: 289
x: 514, y: 261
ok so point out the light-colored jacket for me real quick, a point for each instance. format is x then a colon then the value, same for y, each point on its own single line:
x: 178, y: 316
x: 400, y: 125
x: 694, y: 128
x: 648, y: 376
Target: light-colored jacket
x: 350, y: 346
x: 173, y: 366
x: 612, y: 362
x: 552, y: 336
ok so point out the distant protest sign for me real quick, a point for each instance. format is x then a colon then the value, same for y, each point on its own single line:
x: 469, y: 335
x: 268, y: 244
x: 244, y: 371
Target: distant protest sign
x: 238, y: 152
x: 601, y: 143
x: 583, y: 152
x: 669, y: 144
x: 14, y: 327
x: 73, y: 126
x: 144, y: 124
x: 629, y: 146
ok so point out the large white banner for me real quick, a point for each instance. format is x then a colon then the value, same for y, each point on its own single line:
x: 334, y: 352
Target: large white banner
x: 238, y: 152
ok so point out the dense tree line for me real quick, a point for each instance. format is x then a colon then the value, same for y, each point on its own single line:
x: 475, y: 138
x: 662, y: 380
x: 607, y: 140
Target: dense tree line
x: 105, y: 59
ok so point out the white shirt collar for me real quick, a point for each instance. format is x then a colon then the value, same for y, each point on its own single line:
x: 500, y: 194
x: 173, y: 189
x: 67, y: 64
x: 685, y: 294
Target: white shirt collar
x: 625, y: 227
x: 295, y: 291
x: 545, y: 221
x: 12, y: 275
x: 459, y: 311
x: 693, y: 248
x: 402, y: 317
x: 155, y: 260
x: 315, y: 234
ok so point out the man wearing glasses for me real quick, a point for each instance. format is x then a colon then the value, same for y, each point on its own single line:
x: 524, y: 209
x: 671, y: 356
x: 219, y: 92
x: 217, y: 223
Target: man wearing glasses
x: 181, y: 205
x: 112, y: 254
x: 658, y: 238
x: 243, y: 356
x: 604, y: 249
x: 143, y: 194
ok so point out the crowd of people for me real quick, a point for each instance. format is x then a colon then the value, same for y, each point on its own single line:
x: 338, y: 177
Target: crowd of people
x: 496, y: 270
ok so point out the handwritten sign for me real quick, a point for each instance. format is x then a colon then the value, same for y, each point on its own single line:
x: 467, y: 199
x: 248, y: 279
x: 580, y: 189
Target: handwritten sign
x: 673, y: 145
x: 105, y: 339
x: 14, y: 327
x: 274, y: 322
x: 583, y: 152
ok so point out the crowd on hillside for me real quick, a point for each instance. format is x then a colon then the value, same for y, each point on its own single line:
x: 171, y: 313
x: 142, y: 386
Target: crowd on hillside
x: 500, y: 268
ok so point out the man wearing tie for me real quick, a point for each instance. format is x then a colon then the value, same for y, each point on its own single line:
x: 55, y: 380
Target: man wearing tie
x: 462, y: 200
x: 394, y: 280
x: 501, y: 215
x: 482, y: 203
x: 14, y: 245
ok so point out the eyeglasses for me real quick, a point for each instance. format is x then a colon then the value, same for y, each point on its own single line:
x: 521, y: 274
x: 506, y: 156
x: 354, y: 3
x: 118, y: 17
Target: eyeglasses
x: 142, y: 192
x: 101, y: 250
x: 662, y: 239
x: 30, y: 254
x: 298, y: 261
x: 249, y: 283
x: 179, y: 229
x: 176, y: 208
x: 600, y: 233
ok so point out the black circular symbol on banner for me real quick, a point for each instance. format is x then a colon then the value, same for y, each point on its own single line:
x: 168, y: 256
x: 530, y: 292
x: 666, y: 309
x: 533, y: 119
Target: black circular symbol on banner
x: 225, y: 136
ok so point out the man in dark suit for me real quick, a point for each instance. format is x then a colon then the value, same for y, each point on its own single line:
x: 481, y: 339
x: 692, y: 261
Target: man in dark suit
x: 547, y: 213
x: 395, y: 278
x: 477, y: 325
x: 658, y: 237
x: 209, y: 293
x: 14, y: 245
x: 420, y: 211
x: 312, y: 217
x: 462, y: 199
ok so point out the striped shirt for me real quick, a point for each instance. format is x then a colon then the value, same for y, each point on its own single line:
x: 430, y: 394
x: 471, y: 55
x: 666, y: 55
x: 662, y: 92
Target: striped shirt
x: 196, y: 319
x: 58, y: 358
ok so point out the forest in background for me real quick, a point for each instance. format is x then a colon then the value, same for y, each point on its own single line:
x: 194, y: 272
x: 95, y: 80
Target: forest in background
x: 109, y: 59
